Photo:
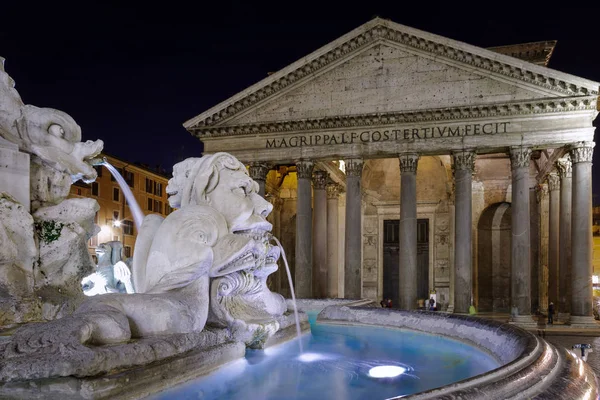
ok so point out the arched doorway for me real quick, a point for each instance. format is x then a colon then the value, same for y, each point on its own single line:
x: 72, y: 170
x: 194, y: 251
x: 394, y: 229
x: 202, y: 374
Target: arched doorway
x: 494, y: 258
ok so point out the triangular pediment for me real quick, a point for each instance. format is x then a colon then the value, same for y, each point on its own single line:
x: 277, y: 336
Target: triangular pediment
x: 384, y: 67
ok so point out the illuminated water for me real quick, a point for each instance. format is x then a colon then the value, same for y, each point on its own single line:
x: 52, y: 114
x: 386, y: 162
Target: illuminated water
x: 136, y: 211
x: 335, y: 365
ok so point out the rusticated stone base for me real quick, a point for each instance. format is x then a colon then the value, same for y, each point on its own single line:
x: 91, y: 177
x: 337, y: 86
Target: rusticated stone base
x: 579, y: 322
x: 132, y: 384
x: 524, y: 321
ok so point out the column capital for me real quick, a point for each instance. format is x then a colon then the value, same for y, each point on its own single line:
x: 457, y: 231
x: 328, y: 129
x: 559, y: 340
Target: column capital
x: 582, y: 152
x: 564, y: 166
x: 408, y: 162
x: 541, y: 192
x: 519, y: 156
x: 354, y: 166
x: 464, y: 160
x: 333, y: 191
x: 319, y: 179
x: 553, y: 181
x: 304, y: 168
x: 259, y: 170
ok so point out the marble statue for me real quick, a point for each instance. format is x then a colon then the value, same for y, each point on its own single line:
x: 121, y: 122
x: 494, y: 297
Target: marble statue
x: 206, y: 261
x: 43, y: 235
x: 112, y: 274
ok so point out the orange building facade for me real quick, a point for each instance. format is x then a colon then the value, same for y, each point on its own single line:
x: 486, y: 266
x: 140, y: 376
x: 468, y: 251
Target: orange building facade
x: 114, y: 217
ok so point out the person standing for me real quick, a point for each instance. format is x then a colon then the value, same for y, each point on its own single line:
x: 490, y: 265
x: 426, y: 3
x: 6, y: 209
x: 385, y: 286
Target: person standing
x: 431, y: 304
x: 551, y: 313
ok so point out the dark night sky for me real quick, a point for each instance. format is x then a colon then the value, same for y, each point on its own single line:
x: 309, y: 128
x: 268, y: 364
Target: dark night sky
x: 131, y: 75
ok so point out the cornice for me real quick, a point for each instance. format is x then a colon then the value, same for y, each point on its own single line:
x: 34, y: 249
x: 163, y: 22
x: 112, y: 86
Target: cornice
x: 385, y: 31
x: 518, y: 108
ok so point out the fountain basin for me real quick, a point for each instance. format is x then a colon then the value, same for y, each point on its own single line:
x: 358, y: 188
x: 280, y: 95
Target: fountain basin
x: 529, y: 367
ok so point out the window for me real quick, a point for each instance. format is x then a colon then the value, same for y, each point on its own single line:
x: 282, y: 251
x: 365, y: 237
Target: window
x: 127, y: 251
x: 78, y: 192
x: 149, y: 185
x: 93, y: 241
x: 120, y: 170
x: 149, y: 204
x: 127, y: 227
x: 168, y: 209
x: 158, y: 188
x: 116, y: 194
x: 95, y: 190
x: 115, y: 215
x: 157, y: 206
x: 128, y: 176
x: 98, y: 169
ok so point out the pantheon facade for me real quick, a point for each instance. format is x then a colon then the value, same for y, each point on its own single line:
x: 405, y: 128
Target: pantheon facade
x: 401, y: 163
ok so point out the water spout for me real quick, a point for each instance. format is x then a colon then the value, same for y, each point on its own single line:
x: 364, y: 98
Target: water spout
x: 289, y: 275
x: 136, y: 211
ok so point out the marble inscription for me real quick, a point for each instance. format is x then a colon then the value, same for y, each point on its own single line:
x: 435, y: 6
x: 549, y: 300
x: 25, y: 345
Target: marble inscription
x: 428, y: 132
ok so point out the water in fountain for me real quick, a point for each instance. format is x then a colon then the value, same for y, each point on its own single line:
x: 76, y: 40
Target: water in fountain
x: 289, y: 275
x: 136, y: 211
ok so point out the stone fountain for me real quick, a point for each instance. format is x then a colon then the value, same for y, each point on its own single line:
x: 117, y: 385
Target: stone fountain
x: 199, y: 274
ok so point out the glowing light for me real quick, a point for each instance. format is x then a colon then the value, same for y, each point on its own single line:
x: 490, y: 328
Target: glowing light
x: 386, y: 371
x: 594, y: 278
x: 310, y: 357
x: 117, y: 223
x: 342, y: 166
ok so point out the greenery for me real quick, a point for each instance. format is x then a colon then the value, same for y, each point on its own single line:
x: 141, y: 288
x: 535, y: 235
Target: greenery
x: 49, y: 231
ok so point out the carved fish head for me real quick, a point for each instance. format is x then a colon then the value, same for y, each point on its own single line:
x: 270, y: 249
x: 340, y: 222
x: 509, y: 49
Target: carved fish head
x: 55, y: 138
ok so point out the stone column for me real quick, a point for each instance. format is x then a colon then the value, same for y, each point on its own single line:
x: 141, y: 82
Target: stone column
x: 275, y: 218
x: 520, y: 243
x: 464, y: 165
x: 564, y: 254
x: 320, y: 280
x: 534, y: 235
x: 333, y: 194
x: 408, y: 230
x: 258, y: 171
x: 581, y: 234
x: 553, y: 250
x: 542, y: 198
x: 303, y: 256
x: 353, y: 242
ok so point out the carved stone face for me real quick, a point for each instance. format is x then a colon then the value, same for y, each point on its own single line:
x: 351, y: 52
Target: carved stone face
x: 55, y: 138
x: 176, y: 184
x: 236, y: 197
x: 104, y: 252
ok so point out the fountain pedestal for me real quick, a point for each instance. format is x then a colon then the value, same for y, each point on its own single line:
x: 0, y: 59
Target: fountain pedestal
x: 14, y: 172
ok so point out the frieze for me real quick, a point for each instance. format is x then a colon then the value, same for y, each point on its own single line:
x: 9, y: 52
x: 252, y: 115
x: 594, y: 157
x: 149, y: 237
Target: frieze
x: 390, y: 34
x: 540, y: 106
x: 304, y: 169
x: 582, y: 152
x: 520, y: 156
x: 408, y: 162
x: 564, y: 167
x: 354, y: 166
x: 320, y: 180
x: 464, y: 160
x: 385, y: 135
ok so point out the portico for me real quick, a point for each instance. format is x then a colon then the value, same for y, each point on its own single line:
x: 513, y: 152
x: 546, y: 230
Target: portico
x: 451, y: 141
